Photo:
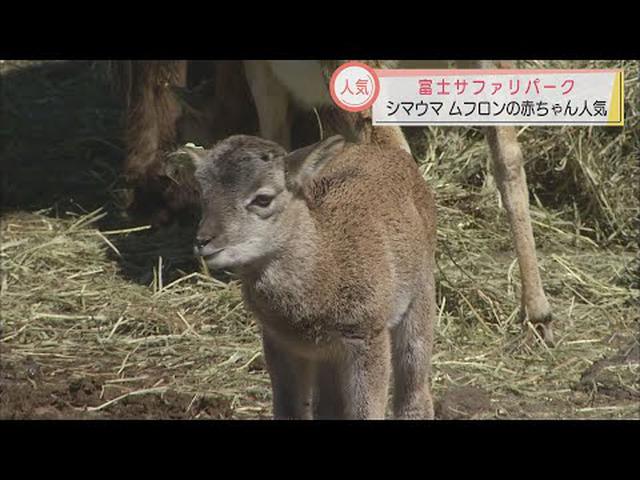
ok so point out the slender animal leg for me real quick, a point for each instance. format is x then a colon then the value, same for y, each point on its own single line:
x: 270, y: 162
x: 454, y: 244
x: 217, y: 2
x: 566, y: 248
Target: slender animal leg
x: 508, y: 169
x: 272, y: 102
x: 512, y: 183
x: 291, y: 378
x: 364, y: 377
x: 411, y: 354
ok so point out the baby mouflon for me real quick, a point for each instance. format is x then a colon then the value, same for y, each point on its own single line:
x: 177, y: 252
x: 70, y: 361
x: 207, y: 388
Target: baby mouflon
x: 334, y: 244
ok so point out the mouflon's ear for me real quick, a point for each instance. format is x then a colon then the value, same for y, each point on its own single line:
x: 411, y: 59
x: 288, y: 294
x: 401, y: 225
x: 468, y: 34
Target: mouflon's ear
x: 195, y: 153
x: 189, y: 157
x: 303, y: 165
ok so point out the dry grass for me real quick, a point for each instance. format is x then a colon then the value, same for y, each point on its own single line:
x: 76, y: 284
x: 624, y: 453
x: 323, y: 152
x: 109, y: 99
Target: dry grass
x: 66, y: 306
x: 73, y: 301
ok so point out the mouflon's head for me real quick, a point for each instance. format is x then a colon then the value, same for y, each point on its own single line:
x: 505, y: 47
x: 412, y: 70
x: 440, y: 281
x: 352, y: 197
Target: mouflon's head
x: 248, y: 186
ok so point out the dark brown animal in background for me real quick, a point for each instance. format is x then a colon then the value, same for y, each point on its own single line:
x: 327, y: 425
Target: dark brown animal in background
x: 159, y: 120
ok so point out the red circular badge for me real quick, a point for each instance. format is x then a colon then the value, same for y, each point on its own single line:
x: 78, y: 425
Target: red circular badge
x: 354, y: 86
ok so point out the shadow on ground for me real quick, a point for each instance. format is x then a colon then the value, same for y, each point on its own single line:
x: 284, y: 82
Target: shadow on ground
x: 60, y: 135
x: 62, y: 151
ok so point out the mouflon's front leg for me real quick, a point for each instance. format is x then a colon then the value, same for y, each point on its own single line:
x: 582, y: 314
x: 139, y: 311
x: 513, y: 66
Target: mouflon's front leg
x: 291, y: 378
x: 364, y: 370
x: 412, y: 346
x: 328, y: 403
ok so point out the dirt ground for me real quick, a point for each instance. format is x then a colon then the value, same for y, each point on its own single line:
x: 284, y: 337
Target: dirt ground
x: 28, y: 392
x: 104, y: 318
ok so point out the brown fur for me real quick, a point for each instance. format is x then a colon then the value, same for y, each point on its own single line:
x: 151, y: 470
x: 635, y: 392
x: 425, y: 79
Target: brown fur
x: 350, y: 291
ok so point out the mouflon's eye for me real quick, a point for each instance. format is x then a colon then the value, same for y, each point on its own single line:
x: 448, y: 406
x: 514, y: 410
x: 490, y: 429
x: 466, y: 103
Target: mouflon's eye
x: 262, y: 201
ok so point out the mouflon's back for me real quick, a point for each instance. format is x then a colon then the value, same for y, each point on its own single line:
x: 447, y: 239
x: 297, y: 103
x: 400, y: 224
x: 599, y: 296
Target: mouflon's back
x: 376, y: 211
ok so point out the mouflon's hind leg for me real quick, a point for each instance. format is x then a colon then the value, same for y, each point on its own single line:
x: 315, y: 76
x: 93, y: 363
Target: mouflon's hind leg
x: 291, y: 380
x: 411, y: 356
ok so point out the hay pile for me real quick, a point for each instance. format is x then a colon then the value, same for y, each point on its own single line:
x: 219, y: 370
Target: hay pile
x: 66, y: 306
x: 131, y: 310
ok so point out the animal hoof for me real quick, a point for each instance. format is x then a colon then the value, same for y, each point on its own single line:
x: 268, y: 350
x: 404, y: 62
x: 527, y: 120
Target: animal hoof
x: 541, y: 326
x: 546, y: 333
x: 540, y: 331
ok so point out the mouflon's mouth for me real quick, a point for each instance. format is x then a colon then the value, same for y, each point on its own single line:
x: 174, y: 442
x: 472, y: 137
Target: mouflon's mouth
x: 212, y: 254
